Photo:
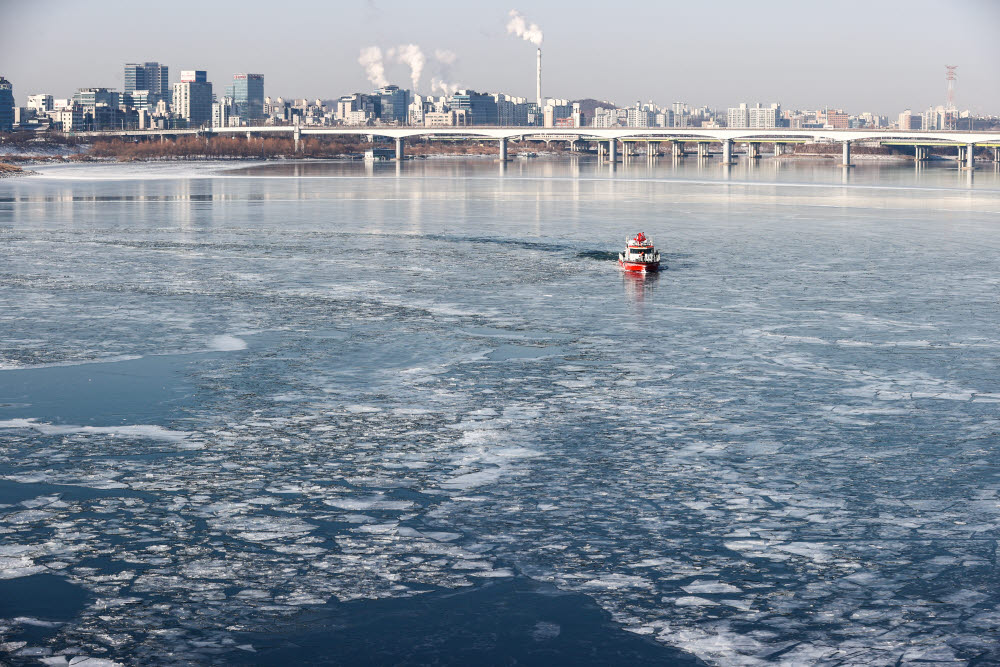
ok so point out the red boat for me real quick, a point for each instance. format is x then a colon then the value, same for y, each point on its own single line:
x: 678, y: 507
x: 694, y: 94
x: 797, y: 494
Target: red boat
x: 639, y: 255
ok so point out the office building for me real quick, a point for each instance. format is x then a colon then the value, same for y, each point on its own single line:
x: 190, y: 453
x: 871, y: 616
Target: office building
x: 6, y: 105
x: 355, y: 109
x: 454, y: 118
x: 88, y: 99
x: 837, y: 119
x: 555, y: 110
x: 481, y: 108
x: 247, y: 91
x: 193, y: 98
x: 41, y: 103
x: 152, y: 77
x: 68, y: 119
x: 393, y: 104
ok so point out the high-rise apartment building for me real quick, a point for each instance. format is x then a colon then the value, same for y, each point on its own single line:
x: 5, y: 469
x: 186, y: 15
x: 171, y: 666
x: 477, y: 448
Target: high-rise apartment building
x: 511, y: 111
x: 193, y: 98
x: 738, y: 116
x: 639, y: 116
x: 764, y: 118
x: 147, y: 76
x: 756, y: 117
x: 909, y: 121
x: 6, y: 105
x: 222, y: 112
x: 665, y: 118
x: 247, y: 91
x: 679, y: 115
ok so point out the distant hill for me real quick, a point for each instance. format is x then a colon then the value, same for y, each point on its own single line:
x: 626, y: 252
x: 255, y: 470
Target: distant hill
x: 588, y: 105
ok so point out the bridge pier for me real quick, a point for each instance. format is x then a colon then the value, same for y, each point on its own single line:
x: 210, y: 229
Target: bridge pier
x: 847, y: 154
x: 600, y: 151
x: 753, y: 150
x: 613, y: 151
x: 778, y: 149
x: 503, y: 149
x: 961, y: 156
x: 970, y: 156
x: 702, y: 150
x: 727, y: 151
x: 296, y: 136
x: 400, y: 143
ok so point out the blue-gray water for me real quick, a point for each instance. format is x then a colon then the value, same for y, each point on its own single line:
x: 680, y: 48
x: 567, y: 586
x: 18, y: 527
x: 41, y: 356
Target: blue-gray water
x: 330, y: 413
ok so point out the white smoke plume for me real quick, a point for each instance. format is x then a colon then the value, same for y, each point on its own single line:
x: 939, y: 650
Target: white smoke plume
x: 520, y: 27
x: 445, y: 57
x: 411, y: 56
x: 445, y: 60
x: 371, y: 60
x: 447, y: 89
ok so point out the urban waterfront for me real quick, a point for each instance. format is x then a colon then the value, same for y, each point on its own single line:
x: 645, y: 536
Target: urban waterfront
x: 412, y: 413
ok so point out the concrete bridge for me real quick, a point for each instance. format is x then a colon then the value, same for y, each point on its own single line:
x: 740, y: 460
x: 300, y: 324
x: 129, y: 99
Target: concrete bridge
x: 964, y: 142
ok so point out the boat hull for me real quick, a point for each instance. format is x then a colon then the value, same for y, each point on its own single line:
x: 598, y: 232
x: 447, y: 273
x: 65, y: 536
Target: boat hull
x: 639, y: 267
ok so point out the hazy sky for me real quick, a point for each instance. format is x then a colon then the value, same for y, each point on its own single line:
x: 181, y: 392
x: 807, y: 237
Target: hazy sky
x: 871, y: 55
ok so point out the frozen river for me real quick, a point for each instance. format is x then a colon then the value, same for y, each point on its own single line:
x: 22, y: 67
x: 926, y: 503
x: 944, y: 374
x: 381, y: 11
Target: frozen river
x: 328, y: 413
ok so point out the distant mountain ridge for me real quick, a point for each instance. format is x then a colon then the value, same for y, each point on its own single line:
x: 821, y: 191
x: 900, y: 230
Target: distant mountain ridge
x: 588, y: 104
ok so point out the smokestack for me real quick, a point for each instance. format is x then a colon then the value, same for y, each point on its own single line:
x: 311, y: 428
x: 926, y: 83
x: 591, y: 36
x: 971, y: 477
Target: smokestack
x: 538, y: 83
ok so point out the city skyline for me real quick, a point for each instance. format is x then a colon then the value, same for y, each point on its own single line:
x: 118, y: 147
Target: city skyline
x: 686, y: 64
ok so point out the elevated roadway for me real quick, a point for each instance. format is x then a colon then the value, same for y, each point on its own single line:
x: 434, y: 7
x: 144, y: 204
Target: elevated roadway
x: 964, y: 141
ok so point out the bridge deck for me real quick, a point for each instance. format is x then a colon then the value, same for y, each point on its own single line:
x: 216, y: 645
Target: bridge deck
x: 588, y: 134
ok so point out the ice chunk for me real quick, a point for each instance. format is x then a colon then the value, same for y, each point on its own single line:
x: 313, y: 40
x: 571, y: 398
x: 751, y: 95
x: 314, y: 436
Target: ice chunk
x: 227, y: 343
x: 709, y: 587
x: 694, y: 601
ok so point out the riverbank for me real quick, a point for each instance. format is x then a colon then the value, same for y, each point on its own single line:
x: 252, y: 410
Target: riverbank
x: 14, y: 171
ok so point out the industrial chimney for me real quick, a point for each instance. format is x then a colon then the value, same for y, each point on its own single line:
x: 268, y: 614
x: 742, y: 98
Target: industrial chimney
x: 538, y: 83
